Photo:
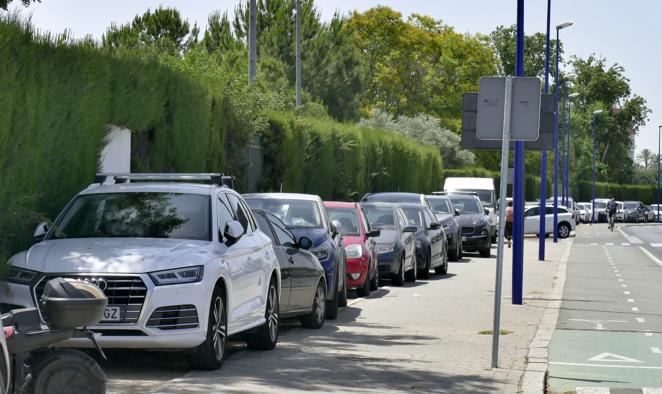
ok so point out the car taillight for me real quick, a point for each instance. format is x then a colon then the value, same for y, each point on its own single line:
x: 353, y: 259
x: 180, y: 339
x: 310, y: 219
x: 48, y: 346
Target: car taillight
x: 9, y: 331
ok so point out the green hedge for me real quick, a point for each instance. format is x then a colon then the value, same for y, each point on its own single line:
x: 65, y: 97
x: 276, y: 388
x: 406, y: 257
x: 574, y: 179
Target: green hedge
x: 58, y: 98
x: 645, y: 193
x: 341, y: 161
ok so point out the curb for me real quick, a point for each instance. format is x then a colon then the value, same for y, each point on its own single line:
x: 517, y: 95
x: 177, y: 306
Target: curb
x: 533, y: 378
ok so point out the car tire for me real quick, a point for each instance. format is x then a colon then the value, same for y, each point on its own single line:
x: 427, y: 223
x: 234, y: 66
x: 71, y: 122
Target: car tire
x: 332, y: 304
x: 425, y: 272
x: 265, y: 337
x: 342, y: 297
x: 211, y: 353
x: 399, y: 278
x: 412, y: 274
x: 443, y: 268
x: 454, y: 255
x: 461, y: 253
x: 374, y: 282
x: 364, y: 290
x: 564, y: 230
x: 315, y: 319
x: 66, y: 371
x: 486, y: 252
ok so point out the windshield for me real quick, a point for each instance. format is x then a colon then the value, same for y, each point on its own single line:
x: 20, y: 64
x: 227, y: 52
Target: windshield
x: 393, y: 198
x: 349, y: 221
x: 294, y: 213
x: 380, y: 217
x: 136, y: 215
x: 466, y: 205
x: 440, y: 205
x: 414, y: 216
x: 630, y: 205
x: 600, y: 205
x: 484, y: 195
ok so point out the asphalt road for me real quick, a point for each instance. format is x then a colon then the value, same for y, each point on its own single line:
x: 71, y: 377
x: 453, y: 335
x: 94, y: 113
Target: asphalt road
x: 609, y: 332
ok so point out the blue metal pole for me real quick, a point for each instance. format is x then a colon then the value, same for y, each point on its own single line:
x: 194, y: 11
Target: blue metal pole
x: 518, y: 184
x: 567, y: 159
x: 564, y: 149
x: 543, y: 157
x: 659, y: 137
x: 556, y: 143
x: 593, y: 182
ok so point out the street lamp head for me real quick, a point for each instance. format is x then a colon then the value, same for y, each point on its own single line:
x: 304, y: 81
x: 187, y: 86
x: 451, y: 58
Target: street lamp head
x: 563, y: 25
x: 573, y: 95
x: 597, y: 112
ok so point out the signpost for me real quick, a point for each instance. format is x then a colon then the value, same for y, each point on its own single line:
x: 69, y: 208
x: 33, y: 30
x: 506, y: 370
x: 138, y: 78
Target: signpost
x: 515, y: 104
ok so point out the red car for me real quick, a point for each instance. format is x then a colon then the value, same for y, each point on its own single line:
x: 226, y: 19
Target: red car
x: 350, y: 220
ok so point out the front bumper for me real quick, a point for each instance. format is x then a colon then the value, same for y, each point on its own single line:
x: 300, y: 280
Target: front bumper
x: 141, y: 333
x: 472, y: 243
x: 357, y: 266
x: 388, y: 264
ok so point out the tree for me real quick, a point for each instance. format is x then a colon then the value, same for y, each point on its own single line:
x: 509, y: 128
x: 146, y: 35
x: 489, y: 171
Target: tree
x: 219, y: 36
x: 504, y: 41
x: 645, y: 157
x: 426, y: 130
x: 164, y: 28
x: 5, y: 3
x: 419, y: 65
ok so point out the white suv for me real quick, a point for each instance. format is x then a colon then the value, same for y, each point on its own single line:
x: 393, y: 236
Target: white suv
x: 183, y: 264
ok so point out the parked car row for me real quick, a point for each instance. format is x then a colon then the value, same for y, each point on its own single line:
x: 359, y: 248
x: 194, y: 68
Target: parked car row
x: 627, y: 211
x: 184, y: 265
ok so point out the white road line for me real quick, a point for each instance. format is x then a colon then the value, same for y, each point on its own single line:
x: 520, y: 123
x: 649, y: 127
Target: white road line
x: 630, y: 300
x: 594, y: 244
x: 624, y: 285
x: 592, y: 390
x: 626, y: 292
x: 609, y: 244
x: 650, y: 256
x: 621, y: 279
x: 616, y: 271
x: 656, y: 245
x: 625, y: 244
x: 656, y: 350
x: 630, y: 238
x: 641, y: 320
x: 605, y: 365
x: 648, y: 334
x: 635, y: 309
x: 618, y: 275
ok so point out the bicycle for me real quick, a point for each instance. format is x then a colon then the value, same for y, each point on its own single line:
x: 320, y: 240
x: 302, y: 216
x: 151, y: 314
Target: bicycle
x: 612, y: 219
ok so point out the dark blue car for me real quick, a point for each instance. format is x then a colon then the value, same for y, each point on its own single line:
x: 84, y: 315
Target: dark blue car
x: 305, y: 215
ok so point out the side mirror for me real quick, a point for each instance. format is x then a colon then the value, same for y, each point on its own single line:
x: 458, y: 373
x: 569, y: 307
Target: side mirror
x: 435, y: 226
x: 487, y: 211
x: 374, y: 233
x: 41, y: 231
x: 456, y: 212
x: 233, y: 231
x: 335, y: 225
x: 305, y: 243
x: 410, y: 229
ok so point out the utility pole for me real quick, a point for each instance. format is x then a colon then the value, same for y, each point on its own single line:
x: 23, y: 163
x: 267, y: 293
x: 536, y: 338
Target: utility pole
x: 298, y: 54
x: 252, y: 41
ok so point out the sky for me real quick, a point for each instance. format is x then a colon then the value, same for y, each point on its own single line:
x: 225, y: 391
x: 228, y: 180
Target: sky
x: 624, y: 32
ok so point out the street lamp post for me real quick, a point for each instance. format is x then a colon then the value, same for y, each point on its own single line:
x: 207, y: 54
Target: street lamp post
x: 595, y: 113
x: 564, y: 149
x: 571, y: 96
x: 556, y: 134
x: 543, y: 156
x: 659, y: 159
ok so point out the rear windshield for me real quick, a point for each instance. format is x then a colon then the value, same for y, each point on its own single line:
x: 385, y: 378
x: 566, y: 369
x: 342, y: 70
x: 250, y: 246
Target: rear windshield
x: 380, y: 217
x: 484, y: 195
x: 631, y: 205
x: 136, y: 215
x: 348, y: 219
x: 440, y: 205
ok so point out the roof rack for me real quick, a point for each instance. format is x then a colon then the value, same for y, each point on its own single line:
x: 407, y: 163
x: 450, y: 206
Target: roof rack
x: 213, y: 178
x: 468, y: 193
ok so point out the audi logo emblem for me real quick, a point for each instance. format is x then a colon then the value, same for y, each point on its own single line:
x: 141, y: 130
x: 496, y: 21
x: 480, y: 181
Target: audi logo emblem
x: 99, y: 282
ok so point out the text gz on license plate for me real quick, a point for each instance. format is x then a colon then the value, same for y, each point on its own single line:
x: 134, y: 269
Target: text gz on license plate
x: 111, y: 313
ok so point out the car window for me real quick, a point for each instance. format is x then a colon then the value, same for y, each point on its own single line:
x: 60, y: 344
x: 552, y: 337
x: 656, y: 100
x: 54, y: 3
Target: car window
x: 533, y: 211
x: 223, y: 212
x: 263, y: 225
x: 402, y: 218
x: 467, y: 204
x: 294, y: 213
x: 414, y: 216
x: 136, y: 215
x: 440, y: 205
x: 380, y: 217
x: 429, y: 218
x: 348, y: 219
x: 285, y: 237
x: 366, y: 225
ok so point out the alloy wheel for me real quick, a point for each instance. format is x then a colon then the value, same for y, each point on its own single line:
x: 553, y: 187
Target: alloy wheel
x: 220, y: 328
x: 272, y: 316
x: 320, y: 304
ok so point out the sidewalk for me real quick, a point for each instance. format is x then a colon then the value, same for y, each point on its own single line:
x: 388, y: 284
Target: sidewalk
x: 419, y: 338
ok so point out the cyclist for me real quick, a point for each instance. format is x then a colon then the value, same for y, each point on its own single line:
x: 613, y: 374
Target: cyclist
x: 611, y: 211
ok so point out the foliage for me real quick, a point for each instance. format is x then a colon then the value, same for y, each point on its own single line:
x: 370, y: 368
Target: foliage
x: 341, y: 161
x: 504, y: 41
x: 426, y: 130
x: 645, y: 157
x: 420, y: 65
x: 5, y: 3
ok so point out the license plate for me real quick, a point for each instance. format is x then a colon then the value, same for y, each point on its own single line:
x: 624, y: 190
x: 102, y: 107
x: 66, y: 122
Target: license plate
x: 111, y: 313
x: 464, y: 238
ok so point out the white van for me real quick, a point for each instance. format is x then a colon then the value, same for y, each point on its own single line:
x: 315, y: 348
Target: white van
x: 484, y: 188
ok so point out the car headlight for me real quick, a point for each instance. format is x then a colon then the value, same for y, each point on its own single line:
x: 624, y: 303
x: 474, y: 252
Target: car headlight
x: 20, y: 276
x: 418, y: 244
x: 384, y: 248
x: 479, y: 222
x: 483, y: 232
x: 177, y: 276
x: 448, y: 222
x: 353, y: 251
x: 321, y: 253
